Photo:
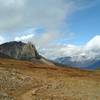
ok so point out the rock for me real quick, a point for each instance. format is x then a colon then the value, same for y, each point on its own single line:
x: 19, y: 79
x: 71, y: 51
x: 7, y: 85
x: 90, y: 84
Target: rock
x: 19, y: 50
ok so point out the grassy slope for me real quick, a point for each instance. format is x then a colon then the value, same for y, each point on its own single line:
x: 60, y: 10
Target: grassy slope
x: 24, y: 80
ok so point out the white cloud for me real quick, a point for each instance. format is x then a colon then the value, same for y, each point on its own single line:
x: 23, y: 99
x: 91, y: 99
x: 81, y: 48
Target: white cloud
x: 45, y: 39
x: 90, y: 50
x: 1, y: 40
x: 20, y: 14
x: 94, y: 43
x: 14, y: 3
x: 16, y: 15
x: 40, y: 41
x: 24, y: 38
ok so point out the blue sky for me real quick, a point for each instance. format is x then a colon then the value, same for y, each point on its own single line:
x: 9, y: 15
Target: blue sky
x: 85, y: 24
x: 48, y: 22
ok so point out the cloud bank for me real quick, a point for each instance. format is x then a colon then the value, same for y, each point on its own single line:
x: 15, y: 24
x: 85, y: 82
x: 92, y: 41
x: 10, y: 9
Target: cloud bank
x: 24, y: 37
x: 90, y: 50
x: 1, y: 39
x: 20, y: 14
x: 17, y: 16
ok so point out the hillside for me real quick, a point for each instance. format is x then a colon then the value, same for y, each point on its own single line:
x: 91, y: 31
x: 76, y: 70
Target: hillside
x: 23, y: 80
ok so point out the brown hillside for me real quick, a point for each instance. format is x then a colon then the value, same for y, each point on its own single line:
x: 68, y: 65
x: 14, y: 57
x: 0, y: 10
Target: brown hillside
x: 23, y: 80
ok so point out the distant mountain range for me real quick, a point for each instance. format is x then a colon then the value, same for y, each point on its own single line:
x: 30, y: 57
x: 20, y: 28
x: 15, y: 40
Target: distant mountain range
x: 82, y: 56
x: 87, y: 64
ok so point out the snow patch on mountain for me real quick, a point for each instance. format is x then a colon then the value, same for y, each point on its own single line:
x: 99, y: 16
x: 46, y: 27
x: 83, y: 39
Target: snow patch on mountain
x: 79, y: 54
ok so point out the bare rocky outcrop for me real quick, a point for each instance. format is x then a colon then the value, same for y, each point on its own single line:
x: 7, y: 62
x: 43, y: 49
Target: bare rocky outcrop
x: 12, y: 49
x: 28, y: 52
x: 19, y: 50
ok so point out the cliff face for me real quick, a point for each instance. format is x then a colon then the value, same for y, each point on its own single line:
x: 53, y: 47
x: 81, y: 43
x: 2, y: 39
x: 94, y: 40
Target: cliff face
x: 29, y: 52
x: 5, y: 56
x: 19, y: 50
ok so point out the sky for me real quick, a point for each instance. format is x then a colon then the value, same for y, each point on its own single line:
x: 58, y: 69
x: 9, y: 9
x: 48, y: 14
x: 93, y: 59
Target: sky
x: 50, y: 23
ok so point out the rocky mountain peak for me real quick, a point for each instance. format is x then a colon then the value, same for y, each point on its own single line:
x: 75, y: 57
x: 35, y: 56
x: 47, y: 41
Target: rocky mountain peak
x: 19, y: 50
x: 29, y: 51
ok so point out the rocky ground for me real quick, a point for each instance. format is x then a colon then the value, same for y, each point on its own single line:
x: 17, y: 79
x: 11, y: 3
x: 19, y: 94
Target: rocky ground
x: 22, y: 80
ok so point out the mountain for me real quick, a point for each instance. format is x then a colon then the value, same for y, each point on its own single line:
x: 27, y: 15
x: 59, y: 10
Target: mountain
x: 27, y: 51
x: 22, y: 51
x: 4, y: 56
x: 95, y: 65
x: 82, y: 56
x: 19, y: 50
x: 84, y: 64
